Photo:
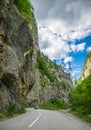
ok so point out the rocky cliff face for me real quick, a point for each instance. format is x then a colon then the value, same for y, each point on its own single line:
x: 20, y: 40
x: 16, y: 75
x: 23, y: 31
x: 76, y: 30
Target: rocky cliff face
x: 51, y: 82
x: 87, y: 67
x: 18, y: 47
x: 21, y: 77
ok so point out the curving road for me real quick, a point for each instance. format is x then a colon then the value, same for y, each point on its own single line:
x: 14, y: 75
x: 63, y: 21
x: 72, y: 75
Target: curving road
x: 44, y: 120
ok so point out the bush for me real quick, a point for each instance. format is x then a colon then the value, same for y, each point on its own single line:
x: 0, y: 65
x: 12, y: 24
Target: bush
x: 2, y: 116
x: 43, y: 68
x: 25, y: 8
x: 11, y: 110
x: 63, y: 84
x: 56, y: 105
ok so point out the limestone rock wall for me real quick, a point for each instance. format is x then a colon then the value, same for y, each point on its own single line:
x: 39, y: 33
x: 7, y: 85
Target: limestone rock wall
x: 18, y: 48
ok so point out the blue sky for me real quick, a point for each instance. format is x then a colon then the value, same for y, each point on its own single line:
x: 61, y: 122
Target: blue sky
x: 79, y: 58
x: 64, y: 28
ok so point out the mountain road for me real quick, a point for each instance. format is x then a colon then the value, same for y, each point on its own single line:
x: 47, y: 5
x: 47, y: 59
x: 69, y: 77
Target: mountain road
x: 38, y: 119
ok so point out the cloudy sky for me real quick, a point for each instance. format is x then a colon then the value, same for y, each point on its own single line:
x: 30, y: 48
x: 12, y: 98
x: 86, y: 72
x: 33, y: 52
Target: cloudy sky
x: 64, y: 28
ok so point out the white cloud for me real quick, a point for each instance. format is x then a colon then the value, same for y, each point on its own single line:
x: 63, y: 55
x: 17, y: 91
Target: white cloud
x: 55, y: 46
x: 89, y: 49
x: 73, y: 47
x: 68, y: 59
x: 77, y: 48
x: 81, y: 47
x: 69, y: 18
x: 78, y: 34
x: 67, y: 66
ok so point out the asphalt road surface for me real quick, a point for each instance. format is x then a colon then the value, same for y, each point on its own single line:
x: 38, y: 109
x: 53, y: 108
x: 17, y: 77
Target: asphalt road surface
x: 44, y: 120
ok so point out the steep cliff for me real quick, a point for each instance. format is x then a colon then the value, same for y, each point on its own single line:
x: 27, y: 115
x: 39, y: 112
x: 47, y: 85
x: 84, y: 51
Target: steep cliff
x: 51, y: 82
x: 25, y: 73
x: 87, y: 67
x: 18, y: 48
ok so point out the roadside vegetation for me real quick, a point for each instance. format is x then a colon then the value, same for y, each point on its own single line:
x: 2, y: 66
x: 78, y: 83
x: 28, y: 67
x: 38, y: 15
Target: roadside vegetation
x: 55, y: 105
x: 80, y: 99
x: 13, y: 111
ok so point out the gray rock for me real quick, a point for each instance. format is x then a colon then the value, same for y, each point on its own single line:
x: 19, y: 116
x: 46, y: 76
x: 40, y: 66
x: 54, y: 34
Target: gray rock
x: 18, y: 48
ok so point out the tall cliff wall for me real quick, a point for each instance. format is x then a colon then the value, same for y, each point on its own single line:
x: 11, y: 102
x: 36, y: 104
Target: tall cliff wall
x: 87, y: 67
x: 18, y: 48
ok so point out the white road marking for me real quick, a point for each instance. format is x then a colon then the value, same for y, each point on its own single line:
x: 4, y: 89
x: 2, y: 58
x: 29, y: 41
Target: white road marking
x: 35, y: 120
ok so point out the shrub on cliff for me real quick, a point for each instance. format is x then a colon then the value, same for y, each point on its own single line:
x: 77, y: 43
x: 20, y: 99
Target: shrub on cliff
x: 43, y: 68
x: 25, y: 7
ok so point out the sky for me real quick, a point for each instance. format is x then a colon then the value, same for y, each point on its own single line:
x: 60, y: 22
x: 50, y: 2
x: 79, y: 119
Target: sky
x: 64, y: 29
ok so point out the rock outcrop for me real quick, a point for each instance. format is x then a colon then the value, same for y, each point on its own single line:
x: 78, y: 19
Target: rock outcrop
x: 87, y: 67
x: 18, y: 48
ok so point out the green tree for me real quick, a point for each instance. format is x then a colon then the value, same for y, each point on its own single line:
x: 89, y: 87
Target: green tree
x: 80, y: 97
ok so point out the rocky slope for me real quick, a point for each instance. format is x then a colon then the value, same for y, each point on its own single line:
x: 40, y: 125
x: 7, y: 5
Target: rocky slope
x: 87, y: 67
x: 51, y: 82
x: 18, y: 48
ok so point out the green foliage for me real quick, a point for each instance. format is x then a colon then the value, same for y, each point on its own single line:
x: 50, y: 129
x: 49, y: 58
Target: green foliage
x: 43, y: 82
x: 2, y: 116
x: 25, y: 8
x: 80, y: 98
x: 43, y: 68
x: 63, y: 84
x: 56, y: 105
x: 13, y: 110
